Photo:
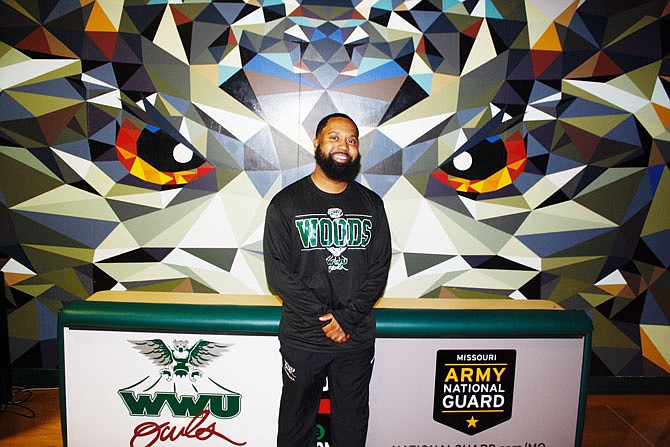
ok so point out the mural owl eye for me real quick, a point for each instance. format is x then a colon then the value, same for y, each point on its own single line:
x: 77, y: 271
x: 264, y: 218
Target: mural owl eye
x: 487, y: 166
x: 151, y: 154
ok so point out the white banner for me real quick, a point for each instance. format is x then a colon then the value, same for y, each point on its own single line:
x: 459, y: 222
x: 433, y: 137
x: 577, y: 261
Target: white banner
x: 483, y: 392
x: 141, y: 389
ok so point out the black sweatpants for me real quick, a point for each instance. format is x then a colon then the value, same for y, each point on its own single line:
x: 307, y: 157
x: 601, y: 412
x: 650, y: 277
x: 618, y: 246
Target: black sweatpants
x: 304, y: 376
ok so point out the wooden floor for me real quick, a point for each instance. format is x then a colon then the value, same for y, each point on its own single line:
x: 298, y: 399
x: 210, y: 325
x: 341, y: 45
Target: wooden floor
x: 616, y: 421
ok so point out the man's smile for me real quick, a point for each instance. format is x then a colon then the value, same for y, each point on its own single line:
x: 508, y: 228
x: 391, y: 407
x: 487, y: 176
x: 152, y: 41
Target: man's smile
x: 340, y: 157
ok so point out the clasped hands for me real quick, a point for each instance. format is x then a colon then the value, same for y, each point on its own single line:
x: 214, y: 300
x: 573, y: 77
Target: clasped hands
x: 333, y: 330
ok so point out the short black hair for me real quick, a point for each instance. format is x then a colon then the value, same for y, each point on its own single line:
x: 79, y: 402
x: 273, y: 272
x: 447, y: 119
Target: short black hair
x: 325, y: 119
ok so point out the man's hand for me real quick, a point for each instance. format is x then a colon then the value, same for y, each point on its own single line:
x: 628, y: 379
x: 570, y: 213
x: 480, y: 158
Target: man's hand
x: 333, y: 330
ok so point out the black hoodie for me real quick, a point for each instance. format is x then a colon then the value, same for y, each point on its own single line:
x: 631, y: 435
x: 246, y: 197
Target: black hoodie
x: 326, y: 253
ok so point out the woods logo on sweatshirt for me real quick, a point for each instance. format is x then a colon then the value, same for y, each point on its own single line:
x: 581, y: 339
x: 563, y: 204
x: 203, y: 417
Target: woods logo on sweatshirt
x: 334, y: 232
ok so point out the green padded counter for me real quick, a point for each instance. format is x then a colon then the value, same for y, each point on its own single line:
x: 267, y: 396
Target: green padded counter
x: 486, y: 372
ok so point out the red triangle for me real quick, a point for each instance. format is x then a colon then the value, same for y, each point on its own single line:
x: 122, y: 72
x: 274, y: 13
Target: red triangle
x: 104, y: 40
x: 473, y: 30
x: 204, y: 170
x: 542, y: 59
x: 127, y: 136
x: 357, y: 15
x: 232, y: 40
x: 179, y: 17
x: 35, y: 41
x: 41, y: 40
x: 421, y: 47
x: 605, y: 66
x: 585, y: 142
x: 55, y: 123
x: 297, y: 12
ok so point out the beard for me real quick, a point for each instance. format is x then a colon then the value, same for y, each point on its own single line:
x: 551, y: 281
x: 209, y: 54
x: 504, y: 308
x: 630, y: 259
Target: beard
x: 334, y: 170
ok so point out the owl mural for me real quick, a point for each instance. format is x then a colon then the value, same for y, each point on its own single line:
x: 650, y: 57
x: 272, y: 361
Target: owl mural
x: 521, y: 148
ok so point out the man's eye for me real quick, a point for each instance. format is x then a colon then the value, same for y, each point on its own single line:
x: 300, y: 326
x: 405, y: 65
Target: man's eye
x: 154, y: 156
x: 488, y: 166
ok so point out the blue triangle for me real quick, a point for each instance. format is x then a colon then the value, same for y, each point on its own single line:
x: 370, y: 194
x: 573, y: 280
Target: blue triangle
x: 652, y: 312
x: 381, y: 147
x: 658, y: 243
x: 491, y: 11
x: 106, y: 134
x: 388, y: 70
x: 337, y: 36
x: 386, y: 5
x: 526, y: 181
x: 381, y: 184
x: 582, y: 108
x: 541, y: 91
x: 578, y: 27
x: 47, y: 322
x: 448, y: 4
x: 534, y: 147
x: 113, y: 169
x: 262, y: 180
x: 80, y: 148
x: 625, y: 132
x: 229, y: 11
x: 655, y: 174
x: 465, y: 115
x: 548, y: 244
x: 643, y: 196
x: 559, y: 164
x: 12, y: 110
x: 424, y: 19
x: 318, y: 35
x: 425, y: 81
x: 411, y: 154
x: 267, y: 67
x: 289, y: 176
x: 104, y: 73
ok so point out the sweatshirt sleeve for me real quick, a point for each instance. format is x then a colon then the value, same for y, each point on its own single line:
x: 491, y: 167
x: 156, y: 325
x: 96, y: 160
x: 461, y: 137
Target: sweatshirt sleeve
x: 372, y: 287
x: 295, y: 295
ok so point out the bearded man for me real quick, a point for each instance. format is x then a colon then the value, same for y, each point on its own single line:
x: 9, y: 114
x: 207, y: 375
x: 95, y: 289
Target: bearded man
x: 327, y: 252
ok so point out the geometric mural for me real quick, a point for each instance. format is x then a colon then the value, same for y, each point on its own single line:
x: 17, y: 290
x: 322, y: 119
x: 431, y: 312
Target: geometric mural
x: 522, y: 149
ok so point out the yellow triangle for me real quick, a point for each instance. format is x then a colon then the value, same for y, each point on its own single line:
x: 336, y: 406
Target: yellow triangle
x: 549, y: 41
x: 98, y: 20
x: 652, y: 339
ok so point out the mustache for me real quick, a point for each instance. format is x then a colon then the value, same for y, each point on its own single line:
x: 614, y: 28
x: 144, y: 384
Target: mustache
x: 335, y: 170
x: 320, y: 153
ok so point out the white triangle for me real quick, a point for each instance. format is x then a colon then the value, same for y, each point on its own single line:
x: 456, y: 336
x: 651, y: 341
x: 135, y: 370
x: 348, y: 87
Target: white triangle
x: 614, y: 278
x: 399, y: 24
x: 404, y: 133
x: 166, y: 39
x: 482, y: 51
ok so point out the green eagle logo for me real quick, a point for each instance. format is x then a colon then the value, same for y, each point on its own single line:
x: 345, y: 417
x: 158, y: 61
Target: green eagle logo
x: 180, y: 361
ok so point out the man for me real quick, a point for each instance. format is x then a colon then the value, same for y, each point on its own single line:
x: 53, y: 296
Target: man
x: 327, y: 249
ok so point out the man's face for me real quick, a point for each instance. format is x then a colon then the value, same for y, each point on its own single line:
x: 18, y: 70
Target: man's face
x: 336, y: 149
